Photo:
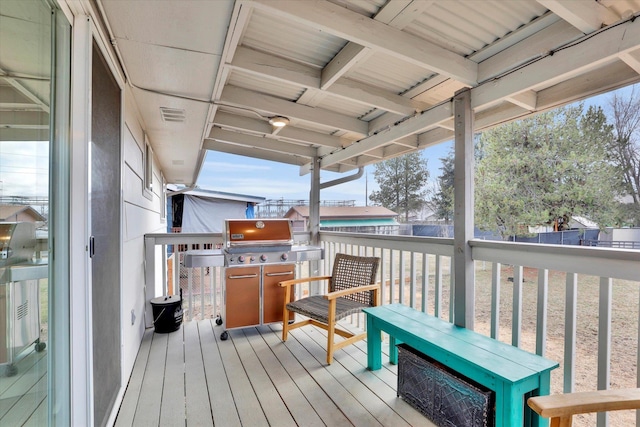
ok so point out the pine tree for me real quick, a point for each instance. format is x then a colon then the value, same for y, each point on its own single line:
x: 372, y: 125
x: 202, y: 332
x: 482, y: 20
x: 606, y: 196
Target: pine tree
x: 545, y: 169
x: 401, y: 180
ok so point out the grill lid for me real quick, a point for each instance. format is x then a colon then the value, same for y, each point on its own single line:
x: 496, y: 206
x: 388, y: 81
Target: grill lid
x: 247, y: 233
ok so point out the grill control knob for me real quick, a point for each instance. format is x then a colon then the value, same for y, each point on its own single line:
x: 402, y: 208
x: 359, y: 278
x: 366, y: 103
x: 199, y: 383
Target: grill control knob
x: 263, y: 258
x: 284, y: 257
x: 241, y: 258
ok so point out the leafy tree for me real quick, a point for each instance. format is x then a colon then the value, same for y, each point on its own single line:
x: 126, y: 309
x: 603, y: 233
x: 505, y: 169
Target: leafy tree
x: 545, y: 169
x: 442, y: 200
x: 401, y: 180
x: 625, y: 148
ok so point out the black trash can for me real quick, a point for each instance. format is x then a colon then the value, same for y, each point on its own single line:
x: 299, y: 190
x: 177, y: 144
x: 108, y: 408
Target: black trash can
x: 167, y: 313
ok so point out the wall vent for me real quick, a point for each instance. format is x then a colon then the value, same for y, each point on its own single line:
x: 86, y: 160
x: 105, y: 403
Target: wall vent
x: 175, y: 115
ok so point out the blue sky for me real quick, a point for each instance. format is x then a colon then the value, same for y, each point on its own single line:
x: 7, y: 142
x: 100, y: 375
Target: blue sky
x: 243, y: 175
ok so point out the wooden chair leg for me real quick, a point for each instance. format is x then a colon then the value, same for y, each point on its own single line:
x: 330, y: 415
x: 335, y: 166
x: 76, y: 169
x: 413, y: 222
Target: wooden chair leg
x: 565, y: 421
x: 331, y: 327
x: 285, y: 313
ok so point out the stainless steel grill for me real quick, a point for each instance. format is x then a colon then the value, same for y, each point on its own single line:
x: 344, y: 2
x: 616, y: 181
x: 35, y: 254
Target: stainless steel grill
x: 258, y: 255
x: 19, y: 293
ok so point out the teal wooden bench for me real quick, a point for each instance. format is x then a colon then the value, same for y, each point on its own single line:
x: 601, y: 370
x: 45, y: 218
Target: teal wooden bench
x: 512, y: 373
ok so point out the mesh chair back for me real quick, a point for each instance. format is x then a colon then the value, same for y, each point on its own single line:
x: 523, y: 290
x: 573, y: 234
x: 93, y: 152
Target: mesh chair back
x: 352, y: 271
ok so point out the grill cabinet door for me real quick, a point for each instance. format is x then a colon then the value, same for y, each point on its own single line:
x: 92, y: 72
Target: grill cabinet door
x: 273, y: 295
x: 242, y: 286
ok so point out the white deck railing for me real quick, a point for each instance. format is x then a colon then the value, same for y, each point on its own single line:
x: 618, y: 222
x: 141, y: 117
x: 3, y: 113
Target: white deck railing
x: 416, y: 271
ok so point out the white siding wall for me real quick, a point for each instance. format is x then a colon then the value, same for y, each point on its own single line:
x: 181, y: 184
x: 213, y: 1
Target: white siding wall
x: 140, y: 216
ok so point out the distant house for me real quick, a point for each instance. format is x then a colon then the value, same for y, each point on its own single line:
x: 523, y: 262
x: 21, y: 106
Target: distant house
x: 20, y: 213
x: 363, y: 219
x: 204, y: 211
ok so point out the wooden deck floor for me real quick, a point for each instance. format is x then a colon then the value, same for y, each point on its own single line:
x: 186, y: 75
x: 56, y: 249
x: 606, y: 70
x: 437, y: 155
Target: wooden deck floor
x: 23, y: 394
x: 190, y: 377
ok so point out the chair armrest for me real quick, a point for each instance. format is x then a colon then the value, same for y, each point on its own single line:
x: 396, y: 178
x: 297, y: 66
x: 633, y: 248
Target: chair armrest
x: 562, y: 405
x: 286, y: 283
x: 343, y: 292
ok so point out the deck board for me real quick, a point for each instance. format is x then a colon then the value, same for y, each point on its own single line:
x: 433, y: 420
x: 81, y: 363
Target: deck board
x: 255, y: 379
x: 129, y: 403
x: 172, y: 412
x: 150, y: 398
x: 221, y: 401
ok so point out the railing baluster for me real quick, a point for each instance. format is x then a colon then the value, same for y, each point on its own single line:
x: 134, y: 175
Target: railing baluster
x: 438, y: 286
x: 570, y: 322
x: 541, y: 323
x: 495, y: 300
x: 190, y: 292
x: 604, y: 342
x: 516, y: 325
x: 202, y: 274
x: 412, y: 281
x: 452, y: 285
x: 392, y: 282
x: 401, y: 277
x: 383, y: 274
x: 425, y: 281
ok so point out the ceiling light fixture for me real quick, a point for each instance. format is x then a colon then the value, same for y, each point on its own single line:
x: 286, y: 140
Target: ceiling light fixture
x: 279, y: 121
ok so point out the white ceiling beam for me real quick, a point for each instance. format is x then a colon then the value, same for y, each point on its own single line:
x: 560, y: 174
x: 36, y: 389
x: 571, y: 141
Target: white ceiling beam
x: 401, y: 18
x: 23, y: 90
x: 413, y: 125
x: 246, y: 124
x: 396, y: 14
x: 535, y: 46
x: 25, y: 120
x: 433, y: 137
x: 632, y: 59
x: 255, y: 153
x: 251, y: 100
x: 264, y: 143
x: 527, y: 99
x: 348, y: 57
x: 307, y: 77
x: 592, y: 52
x: 364, y: 31
x: 587, y: 16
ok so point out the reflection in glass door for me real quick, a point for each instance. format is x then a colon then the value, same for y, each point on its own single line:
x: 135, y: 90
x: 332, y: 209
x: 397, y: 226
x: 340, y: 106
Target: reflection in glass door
x: 27, y: 124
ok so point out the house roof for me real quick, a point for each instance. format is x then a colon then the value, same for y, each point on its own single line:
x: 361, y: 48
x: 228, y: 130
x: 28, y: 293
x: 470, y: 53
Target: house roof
x: 202, y: 192
x: 7, y: 212
x: 359, y: 81
x: 345, y: 212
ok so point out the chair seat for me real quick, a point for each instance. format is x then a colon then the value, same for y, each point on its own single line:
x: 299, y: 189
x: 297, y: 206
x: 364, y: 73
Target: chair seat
x: 317, y: 307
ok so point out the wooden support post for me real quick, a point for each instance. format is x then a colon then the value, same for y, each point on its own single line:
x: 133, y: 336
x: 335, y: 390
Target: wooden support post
x: 463, y: 295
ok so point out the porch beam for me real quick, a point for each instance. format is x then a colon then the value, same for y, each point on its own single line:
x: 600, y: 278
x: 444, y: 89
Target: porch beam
x: 255, y: 153
x: 232, y: 121
x: 239, y: 97
x: 262, y: 142
x: 464, y: 286
x: 595, y: 51
x: 351, y: 26
x: 304, y: 76
x: 416, y: 124
x: 586, y: 16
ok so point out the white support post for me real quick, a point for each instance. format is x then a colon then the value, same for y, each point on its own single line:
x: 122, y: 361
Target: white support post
x: 314, y: 220
x: 604, y: 342
x: 463, y: 290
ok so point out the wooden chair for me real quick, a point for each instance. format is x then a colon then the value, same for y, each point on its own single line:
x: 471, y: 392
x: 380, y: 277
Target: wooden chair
x: 351, y: 288
x: 562, y: 407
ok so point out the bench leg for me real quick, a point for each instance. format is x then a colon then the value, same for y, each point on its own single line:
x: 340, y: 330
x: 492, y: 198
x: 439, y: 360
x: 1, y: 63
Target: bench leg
x: 393, y: 350
x: 509, y: 407
x: 544, y: 390
x: 374, y: 346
